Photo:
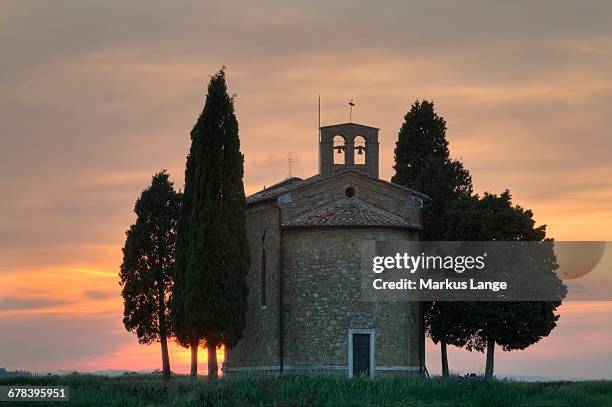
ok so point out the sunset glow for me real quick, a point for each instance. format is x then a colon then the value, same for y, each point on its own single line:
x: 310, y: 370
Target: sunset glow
x: 90, y: 111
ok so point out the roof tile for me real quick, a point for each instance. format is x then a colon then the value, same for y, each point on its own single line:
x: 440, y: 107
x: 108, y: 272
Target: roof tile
x: 350, y: 212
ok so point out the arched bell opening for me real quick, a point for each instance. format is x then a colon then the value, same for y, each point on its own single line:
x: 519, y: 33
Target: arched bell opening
x: 339, y: 150
x: 360, y: 150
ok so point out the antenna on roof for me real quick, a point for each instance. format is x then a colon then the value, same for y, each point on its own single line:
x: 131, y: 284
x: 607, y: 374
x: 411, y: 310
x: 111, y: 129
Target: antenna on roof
x: 319, y: 132
x: 289, y: 161
x: 319, y: 128
x: 351, y: 104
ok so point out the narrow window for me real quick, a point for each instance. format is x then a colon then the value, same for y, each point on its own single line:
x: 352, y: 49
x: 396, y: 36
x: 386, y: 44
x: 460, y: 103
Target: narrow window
x: 263, y: 278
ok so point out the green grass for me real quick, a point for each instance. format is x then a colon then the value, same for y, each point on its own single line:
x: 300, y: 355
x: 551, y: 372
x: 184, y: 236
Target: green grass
x: 312, y: 390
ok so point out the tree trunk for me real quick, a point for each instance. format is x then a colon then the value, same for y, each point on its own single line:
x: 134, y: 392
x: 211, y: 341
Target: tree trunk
x: 213, y: 368
x: 444, y: 356
x: 194, y: 360
x: 163, y: 337
x: 490, y: 356
x: 165, y: 357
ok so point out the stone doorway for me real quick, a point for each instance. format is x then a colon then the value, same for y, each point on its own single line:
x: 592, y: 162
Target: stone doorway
x: 361, y: 352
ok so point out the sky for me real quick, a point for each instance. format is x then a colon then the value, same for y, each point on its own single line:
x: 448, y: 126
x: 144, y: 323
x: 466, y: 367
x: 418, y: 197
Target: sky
x: 98, y: 96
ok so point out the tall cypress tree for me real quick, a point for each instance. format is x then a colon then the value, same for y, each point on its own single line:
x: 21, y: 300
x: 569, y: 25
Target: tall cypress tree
x: 422, y: 162
x: 148, y: 261
x: 210, y: 299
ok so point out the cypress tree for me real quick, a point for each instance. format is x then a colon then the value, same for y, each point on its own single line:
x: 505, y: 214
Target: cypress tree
x: 210, y: 299
x: 148, y: 261
x: 513, y: 325
x: 423, y: 163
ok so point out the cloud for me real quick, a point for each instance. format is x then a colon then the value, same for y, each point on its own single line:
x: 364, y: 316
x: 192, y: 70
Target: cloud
x: 21, y: 304
x: 100, y: 294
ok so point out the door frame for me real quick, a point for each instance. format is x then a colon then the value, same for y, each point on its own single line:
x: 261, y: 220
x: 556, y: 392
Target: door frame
x: 362, y: 331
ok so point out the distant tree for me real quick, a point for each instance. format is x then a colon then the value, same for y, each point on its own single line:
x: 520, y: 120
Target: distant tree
x: 212, y: 248
x: 148, y: 261
x: 423, y: 163
x: 513, y: 325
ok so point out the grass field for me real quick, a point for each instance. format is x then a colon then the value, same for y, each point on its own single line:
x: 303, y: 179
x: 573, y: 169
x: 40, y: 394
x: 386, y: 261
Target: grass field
x: 150, y: 390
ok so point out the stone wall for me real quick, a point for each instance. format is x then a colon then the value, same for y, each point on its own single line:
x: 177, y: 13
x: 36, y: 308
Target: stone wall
x: 259, y: 346
x: 322, y: 302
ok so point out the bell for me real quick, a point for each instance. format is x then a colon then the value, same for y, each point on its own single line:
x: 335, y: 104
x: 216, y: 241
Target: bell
x: 359, y: 151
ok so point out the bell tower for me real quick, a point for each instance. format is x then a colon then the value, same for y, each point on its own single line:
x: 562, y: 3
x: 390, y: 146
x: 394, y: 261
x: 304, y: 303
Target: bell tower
x: 348, y: 146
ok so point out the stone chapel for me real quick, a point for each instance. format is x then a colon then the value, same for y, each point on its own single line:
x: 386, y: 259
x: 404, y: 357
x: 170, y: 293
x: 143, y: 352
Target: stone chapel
x: 305, y: 311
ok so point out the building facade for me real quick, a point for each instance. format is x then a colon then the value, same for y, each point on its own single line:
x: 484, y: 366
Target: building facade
x: 305, y: 308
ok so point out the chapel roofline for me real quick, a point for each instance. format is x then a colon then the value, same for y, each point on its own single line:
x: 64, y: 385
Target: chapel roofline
x: 348, y: 124
x: 272, y: 192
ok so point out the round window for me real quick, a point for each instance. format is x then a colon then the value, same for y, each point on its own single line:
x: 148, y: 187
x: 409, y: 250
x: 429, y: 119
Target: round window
x: 349, y: 192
